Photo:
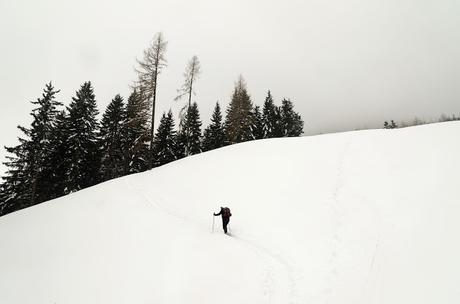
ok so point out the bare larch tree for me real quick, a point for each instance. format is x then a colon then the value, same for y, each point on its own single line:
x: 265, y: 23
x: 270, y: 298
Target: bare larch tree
x: 191, y: 74
x: 148, y: 70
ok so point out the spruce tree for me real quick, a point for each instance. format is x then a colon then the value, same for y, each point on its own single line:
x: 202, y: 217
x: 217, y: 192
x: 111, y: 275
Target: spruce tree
x: 137, y: 135
x: 112, y: 134
x: 214, y: 134
x: 291, y: 122
x: 189, y: 137
x: 84, y: 153
x: 271, y: 118
x: 278, y: 131
x: 391, y: 125
x: 41, y: 131
x: 238, y: 122
x: 257, y: 124
x: 16, y: 184
x: 25, y: 183
x: 3, y: 199
x: 58, y: 164
x: 165, y: 145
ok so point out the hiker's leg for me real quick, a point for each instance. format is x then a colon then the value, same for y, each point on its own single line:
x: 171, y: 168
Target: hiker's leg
x: 225, y: 223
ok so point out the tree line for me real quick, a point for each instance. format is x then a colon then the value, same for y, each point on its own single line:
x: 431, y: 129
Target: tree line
x: 66, y: 149
x: 419, y: 121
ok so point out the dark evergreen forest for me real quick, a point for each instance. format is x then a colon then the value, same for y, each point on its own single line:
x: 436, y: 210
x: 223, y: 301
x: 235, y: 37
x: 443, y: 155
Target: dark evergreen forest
x: 67, y: 148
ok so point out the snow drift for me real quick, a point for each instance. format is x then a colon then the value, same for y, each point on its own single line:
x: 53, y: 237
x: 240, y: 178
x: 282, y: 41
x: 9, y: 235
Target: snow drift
x: 357, y: 217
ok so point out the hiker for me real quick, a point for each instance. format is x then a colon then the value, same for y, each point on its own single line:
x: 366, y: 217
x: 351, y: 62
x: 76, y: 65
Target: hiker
x: 226, y: 214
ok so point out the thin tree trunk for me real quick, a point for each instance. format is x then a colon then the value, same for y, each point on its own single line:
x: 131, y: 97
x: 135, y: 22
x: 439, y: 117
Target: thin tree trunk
x: 152, y: 132
x: 187, y: 149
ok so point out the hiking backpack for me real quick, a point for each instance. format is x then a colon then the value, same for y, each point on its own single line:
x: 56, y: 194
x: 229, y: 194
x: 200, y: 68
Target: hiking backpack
x: 226, y: 212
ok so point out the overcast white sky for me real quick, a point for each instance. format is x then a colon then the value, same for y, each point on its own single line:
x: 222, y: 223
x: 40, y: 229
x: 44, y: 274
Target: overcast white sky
x: 346, y: 64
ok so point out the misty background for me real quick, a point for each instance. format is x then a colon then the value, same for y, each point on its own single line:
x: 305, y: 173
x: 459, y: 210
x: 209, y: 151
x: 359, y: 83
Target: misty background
x: 345, y: 64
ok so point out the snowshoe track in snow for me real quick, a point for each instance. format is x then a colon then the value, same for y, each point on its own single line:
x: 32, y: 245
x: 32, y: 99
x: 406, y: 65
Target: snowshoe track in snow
x: 278, y: 270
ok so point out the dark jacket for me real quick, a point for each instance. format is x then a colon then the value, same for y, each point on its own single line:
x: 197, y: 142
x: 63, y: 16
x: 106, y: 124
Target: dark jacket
x: 224, y: 212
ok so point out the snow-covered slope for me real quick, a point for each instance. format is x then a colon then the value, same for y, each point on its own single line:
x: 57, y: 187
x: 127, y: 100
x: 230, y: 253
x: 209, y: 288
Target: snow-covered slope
x: 359, y: 217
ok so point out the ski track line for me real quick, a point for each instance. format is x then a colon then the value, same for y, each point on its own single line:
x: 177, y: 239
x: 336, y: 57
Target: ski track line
x: 337, y: 218
x: 264, y: 253
x: 268, y: 283
x: 376, y: 250
x: 272, y: 258
x: 374, y: 255
x: 141, y: 193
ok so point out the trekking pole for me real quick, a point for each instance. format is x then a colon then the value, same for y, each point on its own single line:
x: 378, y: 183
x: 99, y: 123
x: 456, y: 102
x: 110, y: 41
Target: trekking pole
x: 213, y: 223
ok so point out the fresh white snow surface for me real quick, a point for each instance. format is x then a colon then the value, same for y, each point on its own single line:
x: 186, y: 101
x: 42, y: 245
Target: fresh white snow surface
x: 358, y: 217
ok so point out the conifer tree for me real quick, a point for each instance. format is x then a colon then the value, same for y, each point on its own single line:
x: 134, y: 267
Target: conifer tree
x: 112, y: 134
x: 137, y: 135
x: 189, y: 137
x: 149, y: 68
x: 40, y: 136
x: 165, y: 145
x: 257, y: 124
x: 58, y: 164
x: 16, y: 184
x: 270, y: 117
x: 214, y: 134
x: 3, y: 199
x: 391, y: 125
x: 84, y: 153
x: 291, y: 122
x: 192, y: 72
x: 25, y: 182
x: 238, y: 122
